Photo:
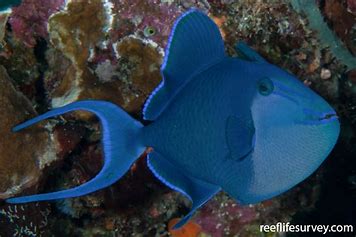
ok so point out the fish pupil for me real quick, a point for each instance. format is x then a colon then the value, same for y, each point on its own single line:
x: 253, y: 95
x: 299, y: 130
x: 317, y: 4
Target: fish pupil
x: 149, y: 31
x: 265, y: 86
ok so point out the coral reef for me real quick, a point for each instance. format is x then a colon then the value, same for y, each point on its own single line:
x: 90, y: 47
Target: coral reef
x: 3, y: 20
x: 190, y: 229
x: 139, y: 16
x: 60, y: 51
x: 351, y: 6
x: 29, y: 20
x: 342, y: 22
x: 25, y: 154
x: 122, y: 71
x: 24, y: 70
x: 24, y: 220
x: 326, y: 36
x: 75, y: 32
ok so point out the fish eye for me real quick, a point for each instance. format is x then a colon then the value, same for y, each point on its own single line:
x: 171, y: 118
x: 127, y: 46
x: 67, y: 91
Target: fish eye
x: 265, y: 86
x: 149, y: 31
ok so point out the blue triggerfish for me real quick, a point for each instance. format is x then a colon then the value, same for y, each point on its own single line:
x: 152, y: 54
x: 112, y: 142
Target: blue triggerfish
x: 243, y: 126
x: 6, y: 4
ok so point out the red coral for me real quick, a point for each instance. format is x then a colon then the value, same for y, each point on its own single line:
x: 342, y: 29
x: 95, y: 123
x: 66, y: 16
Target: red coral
x: 29, y: 20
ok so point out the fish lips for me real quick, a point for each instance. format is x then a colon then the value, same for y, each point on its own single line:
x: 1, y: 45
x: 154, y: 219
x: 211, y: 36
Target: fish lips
x: 318, y: 118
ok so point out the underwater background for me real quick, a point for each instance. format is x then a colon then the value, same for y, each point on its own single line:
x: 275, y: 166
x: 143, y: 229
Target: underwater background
x: 53, y: 52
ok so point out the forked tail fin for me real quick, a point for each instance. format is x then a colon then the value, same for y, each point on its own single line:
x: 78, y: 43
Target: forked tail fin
x: 121, y: 147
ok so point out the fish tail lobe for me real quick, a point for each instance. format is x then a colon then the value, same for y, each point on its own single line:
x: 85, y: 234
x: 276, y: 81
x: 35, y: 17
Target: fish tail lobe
x: 120, y: 141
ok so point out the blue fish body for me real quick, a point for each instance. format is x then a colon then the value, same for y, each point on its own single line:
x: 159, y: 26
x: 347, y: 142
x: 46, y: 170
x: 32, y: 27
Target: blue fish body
x: 218, y: 123
x: 6, y: 4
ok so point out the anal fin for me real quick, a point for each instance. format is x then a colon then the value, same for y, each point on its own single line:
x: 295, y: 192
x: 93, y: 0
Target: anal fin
x: 198, y: 191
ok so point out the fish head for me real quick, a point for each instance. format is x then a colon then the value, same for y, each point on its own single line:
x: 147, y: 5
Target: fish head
x: 295, y: 130
x: 284, y: 101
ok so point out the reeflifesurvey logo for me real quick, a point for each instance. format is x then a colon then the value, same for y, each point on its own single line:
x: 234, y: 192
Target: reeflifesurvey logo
x: 287, y: 227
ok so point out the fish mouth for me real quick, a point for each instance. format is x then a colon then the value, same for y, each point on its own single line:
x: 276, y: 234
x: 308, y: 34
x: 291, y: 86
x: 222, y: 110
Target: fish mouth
x: 317, y: 118
x: 328, y: 117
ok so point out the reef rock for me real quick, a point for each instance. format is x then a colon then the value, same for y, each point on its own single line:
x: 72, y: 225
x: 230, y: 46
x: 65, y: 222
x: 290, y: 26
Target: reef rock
x: 3, y: 20
x: 88, y: 21
x: 93, y: 66
x: 24, y: 154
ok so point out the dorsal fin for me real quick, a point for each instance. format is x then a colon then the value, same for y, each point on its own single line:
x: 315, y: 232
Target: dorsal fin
x: 195, y: 44
x: 248, y: 53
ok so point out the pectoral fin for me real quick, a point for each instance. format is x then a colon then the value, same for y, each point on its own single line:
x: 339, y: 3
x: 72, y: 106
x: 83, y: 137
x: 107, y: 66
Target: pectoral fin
x: 240, y: 136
